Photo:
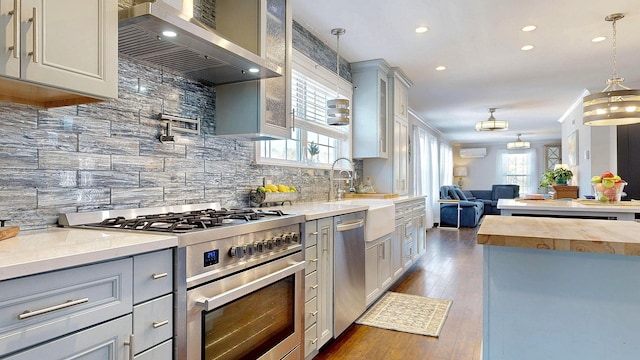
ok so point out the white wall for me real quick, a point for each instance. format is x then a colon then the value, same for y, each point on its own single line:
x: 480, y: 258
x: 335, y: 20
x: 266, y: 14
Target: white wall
x: 597, y: 148
x: 482, y: 171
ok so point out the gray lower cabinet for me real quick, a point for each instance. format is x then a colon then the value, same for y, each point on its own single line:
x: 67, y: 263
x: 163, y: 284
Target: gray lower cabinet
x: 163, y: 351
x: 102, y: 342
x: 377, y: 260
x: 96, y: 311
x: 318, y: 284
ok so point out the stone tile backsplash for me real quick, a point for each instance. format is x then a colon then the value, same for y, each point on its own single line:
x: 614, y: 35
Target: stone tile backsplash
x: 107, y: 155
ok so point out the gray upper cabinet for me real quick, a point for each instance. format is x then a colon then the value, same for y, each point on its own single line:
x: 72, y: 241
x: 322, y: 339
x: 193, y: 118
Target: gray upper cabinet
x: 370, y: 109
x: 57, y: 54
x: 259, y: 109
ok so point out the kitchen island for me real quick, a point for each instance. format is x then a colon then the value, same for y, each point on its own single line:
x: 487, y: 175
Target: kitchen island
x: 560, y: 288
x: 577, y: 208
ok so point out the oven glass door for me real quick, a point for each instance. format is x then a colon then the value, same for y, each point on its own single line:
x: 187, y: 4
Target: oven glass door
x: 250, y: 326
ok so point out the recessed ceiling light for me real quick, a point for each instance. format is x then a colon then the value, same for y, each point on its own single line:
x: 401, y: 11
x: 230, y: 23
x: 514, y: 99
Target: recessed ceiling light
x: 421, y: 29
x: 529, y: 28
x: 441, y: 68
x: 599, y: 39
x: 526, y: 47
x: 169, y: 33
x: 254, y: 70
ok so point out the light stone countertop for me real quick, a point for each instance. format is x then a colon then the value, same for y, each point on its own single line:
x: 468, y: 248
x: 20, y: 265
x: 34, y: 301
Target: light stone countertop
x: 563, y: 234
x: 36, y: 251
x: 581, y: 205
x: 322, y: 209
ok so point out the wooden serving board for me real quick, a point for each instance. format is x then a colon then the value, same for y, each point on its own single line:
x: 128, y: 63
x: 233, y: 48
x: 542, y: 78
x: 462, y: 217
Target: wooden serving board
x: 8, y: 232
x: 371, y: 196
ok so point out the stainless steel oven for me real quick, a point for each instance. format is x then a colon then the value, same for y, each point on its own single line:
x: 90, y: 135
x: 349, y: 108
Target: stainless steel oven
x: 245, y: 295
x: 255, y: 314
x: 238, y: 275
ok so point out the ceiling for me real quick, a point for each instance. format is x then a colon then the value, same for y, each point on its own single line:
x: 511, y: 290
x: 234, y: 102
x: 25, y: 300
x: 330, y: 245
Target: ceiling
x: 479, y: 42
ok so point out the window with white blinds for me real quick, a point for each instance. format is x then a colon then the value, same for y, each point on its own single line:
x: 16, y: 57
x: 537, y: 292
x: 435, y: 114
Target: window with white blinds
x: 311, y: 87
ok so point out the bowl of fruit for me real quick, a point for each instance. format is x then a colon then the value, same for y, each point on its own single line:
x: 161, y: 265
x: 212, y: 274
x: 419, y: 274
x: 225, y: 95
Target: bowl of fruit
x: 608, y: 187
x: 271, y: 193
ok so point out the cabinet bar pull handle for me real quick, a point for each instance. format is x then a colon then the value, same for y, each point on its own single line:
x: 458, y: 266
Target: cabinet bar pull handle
x: 314, y: 233
x: 313, y: 260
x: 28, y: 314
x: 130, y: 345
x: 315, y: 286
x: 325, y: 239
x: 314, y: 313
x: 34, y: 20
x: 16, y: 29
x: 314, y: 340
x: 159, y: 324
x: 159, y: 276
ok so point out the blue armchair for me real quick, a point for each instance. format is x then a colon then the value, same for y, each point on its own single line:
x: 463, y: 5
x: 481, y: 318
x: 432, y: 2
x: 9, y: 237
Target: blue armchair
x: 470, y: 211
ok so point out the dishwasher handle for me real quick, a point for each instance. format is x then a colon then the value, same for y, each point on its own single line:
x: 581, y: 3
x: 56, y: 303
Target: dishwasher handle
x: 350, y: 225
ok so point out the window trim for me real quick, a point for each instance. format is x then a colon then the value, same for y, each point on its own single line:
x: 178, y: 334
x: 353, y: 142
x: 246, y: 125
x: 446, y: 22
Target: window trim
x: 326, y: 78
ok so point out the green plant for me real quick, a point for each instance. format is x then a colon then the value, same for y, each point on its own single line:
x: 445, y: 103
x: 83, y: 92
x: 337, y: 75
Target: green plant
x: 313, y: 148
x: 551, y: 177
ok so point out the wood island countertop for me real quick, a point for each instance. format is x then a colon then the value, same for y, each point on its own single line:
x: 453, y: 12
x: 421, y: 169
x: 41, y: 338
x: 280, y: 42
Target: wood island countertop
x: 563, y: 234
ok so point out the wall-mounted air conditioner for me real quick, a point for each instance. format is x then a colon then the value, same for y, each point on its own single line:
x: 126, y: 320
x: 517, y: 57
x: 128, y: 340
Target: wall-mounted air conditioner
x: 473, y: 152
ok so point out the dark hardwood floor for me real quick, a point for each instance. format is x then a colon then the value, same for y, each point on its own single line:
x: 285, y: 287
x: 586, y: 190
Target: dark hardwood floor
x: 450, y: 269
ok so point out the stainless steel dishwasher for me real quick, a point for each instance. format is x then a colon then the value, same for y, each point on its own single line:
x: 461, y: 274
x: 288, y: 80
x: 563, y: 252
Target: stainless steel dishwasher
x: 349, y: 300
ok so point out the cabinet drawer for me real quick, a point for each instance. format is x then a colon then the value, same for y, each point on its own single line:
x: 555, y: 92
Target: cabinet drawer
x: 40, y: 307
x: 152, y: 322
x: 104, y: 341
x: 310, y: 340
x: 311, y: 236
x: 163, y: 351
x: 152, y: 275
x: 311, y: 286
x: 310, y: 312
x: 311, y: 256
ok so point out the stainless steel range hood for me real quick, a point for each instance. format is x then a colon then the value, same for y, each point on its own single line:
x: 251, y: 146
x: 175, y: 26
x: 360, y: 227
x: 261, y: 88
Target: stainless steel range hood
x: 195, y: 52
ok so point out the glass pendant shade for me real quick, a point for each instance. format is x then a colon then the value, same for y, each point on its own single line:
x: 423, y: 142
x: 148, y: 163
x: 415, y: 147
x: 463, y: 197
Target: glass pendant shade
x: 616, y: 104
x: 338, y: 112
x: 518, y: 144
x: 492, y: 124
x: 618, y: 107
x: 338, y: 109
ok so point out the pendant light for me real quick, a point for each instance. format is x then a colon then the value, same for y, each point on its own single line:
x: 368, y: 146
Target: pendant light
x: 616, y: 104
x: 492, y: 124
x: 518, y: 144
x: 338, y: 109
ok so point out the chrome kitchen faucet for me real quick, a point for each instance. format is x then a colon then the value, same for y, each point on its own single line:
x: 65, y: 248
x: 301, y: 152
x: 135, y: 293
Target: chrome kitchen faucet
x: 351, y: 178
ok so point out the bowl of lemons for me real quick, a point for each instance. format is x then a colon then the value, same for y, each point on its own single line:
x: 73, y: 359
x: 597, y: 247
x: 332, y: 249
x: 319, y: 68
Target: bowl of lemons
x: 272, y: 193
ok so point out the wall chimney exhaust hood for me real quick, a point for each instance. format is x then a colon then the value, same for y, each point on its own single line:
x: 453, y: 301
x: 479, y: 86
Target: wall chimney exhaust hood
x: 195, y: 51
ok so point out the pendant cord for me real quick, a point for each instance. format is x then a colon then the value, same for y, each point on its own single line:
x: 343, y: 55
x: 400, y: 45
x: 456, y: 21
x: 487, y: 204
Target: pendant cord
x: 338, y: 64
x: 615, y: 67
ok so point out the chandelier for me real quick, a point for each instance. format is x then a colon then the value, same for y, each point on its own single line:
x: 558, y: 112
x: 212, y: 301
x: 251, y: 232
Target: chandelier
x: 338, y: 108
x: 518, y: 144
x: 616, y: 104
x: 492, y: 124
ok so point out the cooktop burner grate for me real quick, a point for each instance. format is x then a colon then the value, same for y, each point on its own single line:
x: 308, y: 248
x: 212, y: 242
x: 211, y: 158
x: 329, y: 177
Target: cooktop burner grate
x: 187, y: 221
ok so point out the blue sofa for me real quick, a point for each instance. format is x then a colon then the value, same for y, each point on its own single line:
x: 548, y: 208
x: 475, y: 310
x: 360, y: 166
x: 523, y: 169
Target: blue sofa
x: 490, y: 197
x: 471, y: 210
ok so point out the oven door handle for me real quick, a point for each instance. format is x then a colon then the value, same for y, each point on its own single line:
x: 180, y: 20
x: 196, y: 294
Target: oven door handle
x: 219, y: 300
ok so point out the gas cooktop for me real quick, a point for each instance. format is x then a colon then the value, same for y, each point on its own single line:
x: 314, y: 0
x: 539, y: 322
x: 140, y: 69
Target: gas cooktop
x: 183, y: 220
